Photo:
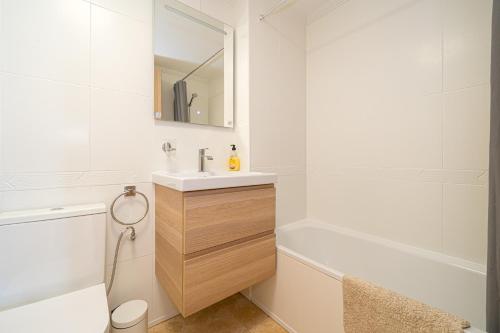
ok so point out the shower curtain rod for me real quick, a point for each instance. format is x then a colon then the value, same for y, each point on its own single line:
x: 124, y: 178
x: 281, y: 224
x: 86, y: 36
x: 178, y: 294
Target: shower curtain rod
x: 203, y: 64
x: 272, y: 10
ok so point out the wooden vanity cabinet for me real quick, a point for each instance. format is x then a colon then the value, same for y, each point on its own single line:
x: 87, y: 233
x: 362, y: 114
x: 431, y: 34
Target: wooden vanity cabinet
x: 212, y: 244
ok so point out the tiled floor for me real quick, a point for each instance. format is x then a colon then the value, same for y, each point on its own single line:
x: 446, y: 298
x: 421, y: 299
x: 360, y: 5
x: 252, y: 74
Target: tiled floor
x: 233, y: 315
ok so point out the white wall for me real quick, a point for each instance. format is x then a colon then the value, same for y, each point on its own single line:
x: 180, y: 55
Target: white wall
x: 176, y: 37
x: 270, y: 105
x: 189, y: 138
x: 398, y: 121
x: 278, y: 119
x: 77, y: 118
x: 277, y: 104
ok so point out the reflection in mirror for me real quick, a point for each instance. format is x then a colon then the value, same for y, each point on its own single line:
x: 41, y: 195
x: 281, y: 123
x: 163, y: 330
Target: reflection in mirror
x: 193, y: 66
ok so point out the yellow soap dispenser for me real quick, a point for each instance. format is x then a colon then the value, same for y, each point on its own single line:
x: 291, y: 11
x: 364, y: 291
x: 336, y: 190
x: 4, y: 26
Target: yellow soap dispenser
x: 234, y: 160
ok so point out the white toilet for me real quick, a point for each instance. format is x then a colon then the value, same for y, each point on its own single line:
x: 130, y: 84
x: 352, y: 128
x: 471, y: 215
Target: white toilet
x: 52, y: 270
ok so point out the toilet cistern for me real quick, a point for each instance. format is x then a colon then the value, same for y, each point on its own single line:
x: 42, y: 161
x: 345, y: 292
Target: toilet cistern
x: 201, y: 159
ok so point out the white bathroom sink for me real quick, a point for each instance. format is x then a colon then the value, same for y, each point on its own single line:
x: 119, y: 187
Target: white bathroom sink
x: 195, y: 181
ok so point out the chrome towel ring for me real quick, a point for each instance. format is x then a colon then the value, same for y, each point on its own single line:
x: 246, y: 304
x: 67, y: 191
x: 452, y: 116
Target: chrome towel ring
x: 129, y: 191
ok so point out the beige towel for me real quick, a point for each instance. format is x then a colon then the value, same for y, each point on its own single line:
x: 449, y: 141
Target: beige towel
x: 372, y: 309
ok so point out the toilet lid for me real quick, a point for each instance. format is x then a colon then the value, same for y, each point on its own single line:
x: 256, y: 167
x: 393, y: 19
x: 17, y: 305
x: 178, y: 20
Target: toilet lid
x: 129, y: 314
x: 82, y: 311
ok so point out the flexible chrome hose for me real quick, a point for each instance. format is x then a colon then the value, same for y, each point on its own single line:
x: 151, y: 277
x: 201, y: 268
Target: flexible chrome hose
x: 117, y: 249
x: 127, y: 192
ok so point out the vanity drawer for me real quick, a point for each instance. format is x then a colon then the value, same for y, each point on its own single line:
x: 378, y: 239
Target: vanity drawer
x: 215, y: 217
x: 216, y: 275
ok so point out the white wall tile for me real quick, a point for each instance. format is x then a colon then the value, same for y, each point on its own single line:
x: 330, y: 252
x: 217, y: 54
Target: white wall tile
x: 121, y: 136
x: 30, y: 181
x: 49, y: 131
x: 403, y: 211
x: 396, y: 50
x: 100, y: 178
x: 121, y: 53
x: 133, y: 280
x: 51, y: 142
x: 277, y: 103
x: 467, y: 43
x: 48, y: 39
x: 265, y: 99
x: 128, y: 210
x: 292, y: 26
x: 290, y: 198
x: 4, y: 182
x: 372, y: 95
x: 466, y: 128
x: 43, y: 198
x: 1, y: 113
x: 189, y: 138
x: 2, y: 38
x: 388, y: 120
x: 138, y: 9
x: 465, y: 221
x: 354, y: 15
x: 291, y: 141
x: 401, y: 131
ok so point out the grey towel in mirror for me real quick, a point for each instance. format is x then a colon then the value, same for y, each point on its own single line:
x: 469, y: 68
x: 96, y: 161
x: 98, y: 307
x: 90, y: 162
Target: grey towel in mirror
x: 181, y: 110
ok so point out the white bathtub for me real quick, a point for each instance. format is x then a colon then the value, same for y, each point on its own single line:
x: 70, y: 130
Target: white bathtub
x: 314, y: 256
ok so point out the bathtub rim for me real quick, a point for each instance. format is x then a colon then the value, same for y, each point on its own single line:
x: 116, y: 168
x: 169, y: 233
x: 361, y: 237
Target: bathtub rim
x: 323, y: 269
x: 442, y: 258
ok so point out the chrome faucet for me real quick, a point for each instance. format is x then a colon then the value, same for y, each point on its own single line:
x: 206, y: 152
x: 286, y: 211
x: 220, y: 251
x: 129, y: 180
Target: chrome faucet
x: 201, y: 159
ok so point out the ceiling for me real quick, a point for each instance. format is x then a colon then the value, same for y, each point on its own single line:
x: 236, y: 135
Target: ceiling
x: 315, y: 9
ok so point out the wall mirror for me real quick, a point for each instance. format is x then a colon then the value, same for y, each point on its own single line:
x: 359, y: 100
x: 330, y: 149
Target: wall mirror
x: 194, y: 66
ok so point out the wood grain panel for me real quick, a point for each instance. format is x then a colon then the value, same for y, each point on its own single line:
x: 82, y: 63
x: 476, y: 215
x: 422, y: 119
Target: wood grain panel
x: 225, y: 245
x: 169, y: 270
x: 211, y: 244
x: 214, y: 276
x: 169, y: 215
x: 157, y: 93
x: 216, y: 217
